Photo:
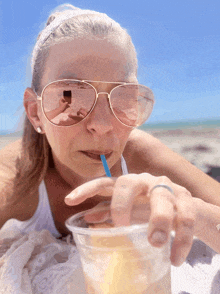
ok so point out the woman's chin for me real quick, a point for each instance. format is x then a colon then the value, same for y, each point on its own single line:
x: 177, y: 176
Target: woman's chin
x: 88, y: 172
x: 94, y: 174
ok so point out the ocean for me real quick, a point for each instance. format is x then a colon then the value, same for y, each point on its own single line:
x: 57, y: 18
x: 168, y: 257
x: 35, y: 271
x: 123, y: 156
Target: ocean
x: 183, y: 124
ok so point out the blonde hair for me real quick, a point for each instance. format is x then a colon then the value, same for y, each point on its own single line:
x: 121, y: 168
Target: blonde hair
x: 67, y: 22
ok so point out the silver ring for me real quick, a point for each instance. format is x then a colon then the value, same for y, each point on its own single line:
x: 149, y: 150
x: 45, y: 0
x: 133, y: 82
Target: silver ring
x: 163, y: 186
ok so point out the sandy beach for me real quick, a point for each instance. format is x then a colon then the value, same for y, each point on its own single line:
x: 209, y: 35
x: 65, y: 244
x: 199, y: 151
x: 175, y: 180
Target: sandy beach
x: 200, y: 145
x: 5, y: 140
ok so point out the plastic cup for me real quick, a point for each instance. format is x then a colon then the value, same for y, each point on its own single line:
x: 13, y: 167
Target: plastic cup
x: 119, y: 259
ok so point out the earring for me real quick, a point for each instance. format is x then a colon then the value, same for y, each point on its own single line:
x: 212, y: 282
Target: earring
x: 39, y: 130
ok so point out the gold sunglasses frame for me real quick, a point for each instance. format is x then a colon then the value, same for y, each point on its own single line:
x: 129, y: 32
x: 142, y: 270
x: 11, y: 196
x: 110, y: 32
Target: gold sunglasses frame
x: 151, y: 97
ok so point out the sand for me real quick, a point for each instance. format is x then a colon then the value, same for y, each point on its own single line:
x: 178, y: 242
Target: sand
x: 5, y: 140
x: 199, y: 145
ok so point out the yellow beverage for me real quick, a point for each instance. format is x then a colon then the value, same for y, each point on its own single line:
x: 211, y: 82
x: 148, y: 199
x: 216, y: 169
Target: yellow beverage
x: 123, y: 268
x: 162, y: 286
x: 120, y: 260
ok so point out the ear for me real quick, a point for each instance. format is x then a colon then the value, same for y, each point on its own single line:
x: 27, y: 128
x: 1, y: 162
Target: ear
x: 31, y: 107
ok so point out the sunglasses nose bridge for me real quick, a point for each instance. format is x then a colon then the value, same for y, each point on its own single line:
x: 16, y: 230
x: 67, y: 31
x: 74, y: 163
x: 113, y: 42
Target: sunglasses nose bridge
x: 103, y: 93
x: 108, y: 97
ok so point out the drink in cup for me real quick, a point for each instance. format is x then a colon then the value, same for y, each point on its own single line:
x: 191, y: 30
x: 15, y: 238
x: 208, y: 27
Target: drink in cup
x: 118, y: 260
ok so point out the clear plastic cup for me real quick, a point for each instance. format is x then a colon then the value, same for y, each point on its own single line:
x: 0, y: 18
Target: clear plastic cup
x: 119, y: 259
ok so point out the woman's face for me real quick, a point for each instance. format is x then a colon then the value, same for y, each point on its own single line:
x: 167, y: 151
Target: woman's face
x: 78, y: 147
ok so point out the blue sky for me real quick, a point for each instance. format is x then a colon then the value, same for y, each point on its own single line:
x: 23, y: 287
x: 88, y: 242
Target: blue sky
x: 178, y: 46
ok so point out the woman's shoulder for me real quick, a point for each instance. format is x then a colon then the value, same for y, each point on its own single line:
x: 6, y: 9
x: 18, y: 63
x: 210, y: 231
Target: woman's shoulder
x: 9, y: 157
x: 139, y: 139
x: 11, y: 204
x: 141, y: 152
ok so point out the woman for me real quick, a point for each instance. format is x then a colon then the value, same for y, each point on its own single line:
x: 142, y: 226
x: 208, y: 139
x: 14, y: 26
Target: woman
x: 80, y: 56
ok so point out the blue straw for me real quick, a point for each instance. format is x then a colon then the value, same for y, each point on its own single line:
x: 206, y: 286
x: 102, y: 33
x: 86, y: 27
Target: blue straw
x: 105, y: 165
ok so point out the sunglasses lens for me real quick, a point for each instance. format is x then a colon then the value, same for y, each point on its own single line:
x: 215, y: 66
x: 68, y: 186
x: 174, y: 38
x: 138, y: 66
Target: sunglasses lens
x: 132, y: 104
x: 66, y: 103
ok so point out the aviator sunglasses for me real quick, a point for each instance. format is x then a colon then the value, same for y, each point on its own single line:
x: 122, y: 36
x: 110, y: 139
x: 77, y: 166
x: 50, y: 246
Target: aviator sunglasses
x: 67, y: 102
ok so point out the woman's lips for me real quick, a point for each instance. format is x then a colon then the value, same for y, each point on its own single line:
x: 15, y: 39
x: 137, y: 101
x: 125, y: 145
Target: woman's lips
x: 96, y: 154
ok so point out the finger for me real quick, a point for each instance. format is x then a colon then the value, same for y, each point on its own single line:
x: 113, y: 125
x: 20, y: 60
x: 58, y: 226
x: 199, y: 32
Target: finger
x: 100, y: 213
x: 101, y: 186
x: 184, y: 228
x: 127, y: 189
x: 162, y: 204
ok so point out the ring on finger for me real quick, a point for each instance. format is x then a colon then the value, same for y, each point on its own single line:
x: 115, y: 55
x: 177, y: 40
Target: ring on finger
x: 163, y: 186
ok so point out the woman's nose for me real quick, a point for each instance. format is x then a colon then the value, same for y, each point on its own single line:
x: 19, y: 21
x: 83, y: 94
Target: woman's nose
x: 100, y: 120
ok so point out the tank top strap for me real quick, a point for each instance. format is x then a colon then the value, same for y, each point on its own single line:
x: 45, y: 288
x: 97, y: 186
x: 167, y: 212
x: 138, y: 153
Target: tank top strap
x: 124, y: 166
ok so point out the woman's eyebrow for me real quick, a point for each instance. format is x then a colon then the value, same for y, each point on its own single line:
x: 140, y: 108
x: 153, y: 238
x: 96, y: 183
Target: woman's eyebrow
x: 68, y: 75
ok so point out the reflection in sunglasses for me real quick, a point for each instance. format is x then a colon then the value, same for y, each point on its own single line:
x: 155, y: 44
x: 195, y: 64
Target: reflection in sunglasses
x: 67, y: 102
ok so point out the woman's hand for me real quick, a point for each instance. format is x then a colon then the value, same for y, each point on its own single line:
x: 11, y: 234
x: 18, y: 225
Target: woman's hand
x: 165, y: 210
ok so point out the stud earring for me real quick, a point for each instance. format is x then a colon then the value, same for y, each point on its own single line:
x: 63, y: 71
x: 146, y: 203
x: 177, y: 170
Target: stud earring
x: 39, y: 130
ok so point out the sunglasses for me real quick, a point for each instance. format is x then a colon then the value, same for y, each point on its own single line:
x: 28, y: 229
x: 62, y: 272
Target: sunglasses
x: 67, y: 102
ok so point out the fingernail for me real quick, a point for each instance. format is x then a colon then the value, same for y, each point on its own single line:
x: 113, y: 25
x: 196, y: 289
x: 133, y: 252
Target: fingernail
x: 72, y: 195
x: 69, y: 199
x: 181, y: 261
x: 177, y: 261
x: 159, y: 237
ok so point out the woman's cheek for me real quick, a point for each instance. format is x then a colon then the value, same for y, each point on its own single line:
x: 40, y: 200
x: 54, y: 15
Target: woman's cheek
x: 59, y: 139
